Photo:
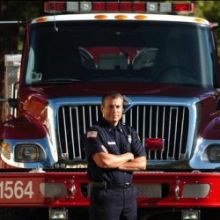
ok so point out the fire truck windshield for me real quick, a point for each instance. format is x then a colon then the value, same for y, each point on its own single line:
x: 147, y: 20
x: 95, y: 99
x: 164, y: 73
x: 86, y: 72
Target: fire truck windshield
x: 151, y: 52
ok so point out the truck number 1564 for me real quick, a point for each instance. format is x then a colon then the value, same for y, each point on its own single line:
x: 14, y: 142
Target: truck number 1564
x: 16, y: 189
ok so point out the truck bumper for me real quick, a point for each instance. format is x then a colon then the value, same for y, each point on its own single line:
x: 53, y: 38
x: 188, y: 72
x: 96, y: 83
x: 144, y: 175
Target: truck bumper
x: 70, y: 189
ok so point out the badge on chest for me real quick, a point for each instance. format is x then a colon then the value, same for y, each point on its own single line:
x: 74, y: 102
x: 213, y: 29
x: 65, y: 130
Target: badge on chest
x: 129, y: 139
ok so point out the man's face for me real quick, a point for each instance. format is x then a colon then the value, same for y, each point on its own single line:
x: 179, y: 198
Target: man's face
x: 112, y: 110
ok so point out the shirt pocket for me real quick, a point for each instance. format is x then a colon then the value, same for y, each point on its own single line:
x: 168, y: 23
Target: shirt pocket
x: 126, y: 143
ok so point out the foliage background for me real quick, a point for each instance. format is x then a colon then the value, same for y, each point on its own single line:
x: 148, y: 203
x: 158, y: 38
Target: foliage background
x: 211, y: 11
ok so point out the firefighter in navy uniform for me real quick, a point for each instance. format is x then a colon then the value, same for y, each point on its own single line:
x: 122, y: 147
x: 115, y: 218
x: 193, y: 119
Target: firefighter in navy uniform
x: 114, y: 151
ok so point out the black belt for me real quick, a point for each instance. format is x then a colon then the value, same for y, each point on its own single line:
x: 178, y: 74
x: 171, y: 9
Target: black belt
x: 105, y: 185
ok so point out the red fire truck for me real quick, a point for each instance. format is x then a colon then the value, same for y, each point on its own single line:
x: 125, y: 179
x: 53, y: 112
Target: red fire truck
x: 165, y: 64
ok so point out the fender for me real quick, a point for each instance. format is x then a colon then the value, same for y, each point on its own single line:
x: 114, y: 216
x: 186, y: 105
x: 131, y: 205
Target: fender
x: 24, y: 127
x: 25, y: 130
x: 212, y: 130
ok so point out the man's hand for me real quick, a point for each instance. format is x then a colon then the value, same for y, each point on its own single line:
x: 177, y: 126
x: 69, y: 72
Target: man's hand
x: 130, y: 155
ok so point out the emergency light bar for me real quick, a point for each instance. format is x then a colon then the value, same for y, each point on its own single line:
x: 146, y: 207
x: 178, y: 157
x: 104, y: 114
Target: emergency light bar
x: 54, y: 7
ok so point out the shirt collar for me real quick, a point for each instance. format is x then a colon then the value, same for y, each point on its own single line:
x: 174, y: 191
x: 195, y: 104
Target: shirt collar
x: 110, y: 127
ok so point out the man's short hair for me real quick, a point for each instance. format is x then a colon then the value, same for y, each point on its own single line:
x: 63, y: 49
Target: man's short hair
x: 112, y: 95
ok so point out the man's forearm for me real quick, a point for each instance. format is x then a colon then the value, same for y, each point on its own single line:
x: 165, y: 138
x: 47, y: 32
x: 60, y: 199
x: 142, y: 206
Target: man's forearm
x: 107, y: 160
x: 138, y: 163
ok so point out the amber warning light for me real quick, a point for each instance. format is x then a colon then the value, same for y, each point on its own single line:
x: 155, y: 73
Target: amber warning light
x: 54, y: 7
x: 154, y: 143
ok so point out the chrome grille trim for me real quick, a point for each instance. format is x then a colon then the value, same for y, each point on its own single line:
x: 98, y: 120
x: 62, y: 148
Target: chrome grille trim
x: 141, y: 103
x: 189, y: 104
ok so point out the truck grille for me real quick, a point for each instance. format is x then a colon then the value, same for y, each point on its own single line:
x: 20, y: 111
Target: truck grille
x: 169, y: 123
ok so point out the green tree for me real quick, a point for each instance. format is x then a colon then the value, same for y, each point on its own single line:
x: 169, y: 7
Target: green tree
x: 209, y: 10
x: 17, y: 11
x: 12, y: 34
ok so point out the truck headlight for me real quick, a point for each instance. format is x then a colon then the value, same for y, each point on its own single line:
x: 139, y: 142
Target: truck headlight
x: 29, y: 153
x: 213, y: 153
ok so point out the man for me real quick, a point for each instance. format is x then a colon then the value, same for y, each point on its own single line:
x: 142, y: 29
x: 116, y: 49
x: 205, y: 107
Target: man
x: 114, y: 151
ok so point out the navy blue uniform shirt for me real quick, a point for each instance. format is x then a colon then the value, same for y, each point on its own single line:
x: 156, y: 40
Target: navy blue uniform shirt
x: 117, y: 140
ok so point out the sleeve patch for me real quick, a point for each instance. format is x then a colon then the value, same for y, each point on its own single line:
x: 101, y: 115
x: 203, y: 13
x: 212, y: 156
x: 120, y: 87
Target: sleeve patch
x: 92, y: 134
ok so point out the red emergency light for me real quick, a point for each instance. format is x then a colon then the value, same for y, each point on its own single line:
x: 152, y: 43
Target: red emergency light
x: 54, y: 7
x: 98, y: 6
x: 185, y: 7
x: 112, y: 6
x: 119, y: 6
x: 139, y: 7
x: 125, y: 6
